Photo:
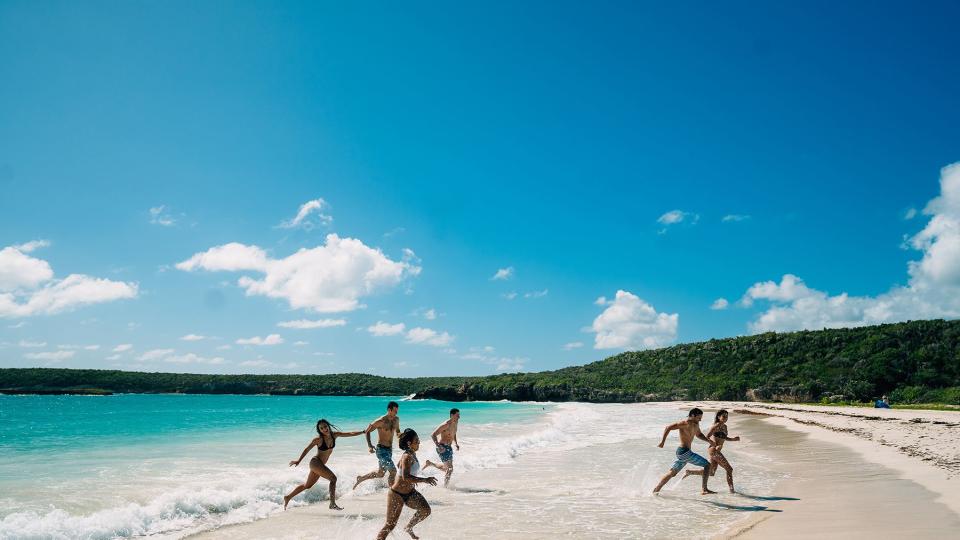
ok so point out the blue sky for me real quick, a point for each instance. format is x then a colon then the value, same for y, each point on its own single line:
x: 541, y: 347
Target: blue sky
x: 789, y: 159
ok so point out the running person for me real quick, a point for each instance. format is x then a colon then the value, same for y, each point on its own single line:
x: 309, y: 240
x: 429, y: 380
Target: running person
x: 688, y: 429
x: 718, y: 432
x: 404, y: 491
x: 386, y: 426
x: 325, y: 441
x: 445, y: 438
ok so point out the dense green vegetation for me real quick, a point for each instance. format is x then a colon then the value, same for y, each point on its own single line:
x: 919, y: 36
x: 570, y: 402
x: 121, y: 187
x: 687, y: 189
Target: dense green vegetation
x: 42, y: 380
x: 913, y: 362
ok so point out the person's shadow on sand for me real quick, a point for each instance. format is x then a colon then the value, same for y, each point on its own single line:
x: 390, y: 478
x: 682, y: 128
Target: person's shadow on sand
x: 761, y: 498
x: 755, y: 508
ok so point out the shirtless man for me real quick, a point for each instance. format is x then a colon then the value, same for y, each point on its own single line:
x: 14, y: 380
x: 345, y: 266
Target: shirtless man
x: 688, y: 429
x: 445, y: 438
x: 386, y: 426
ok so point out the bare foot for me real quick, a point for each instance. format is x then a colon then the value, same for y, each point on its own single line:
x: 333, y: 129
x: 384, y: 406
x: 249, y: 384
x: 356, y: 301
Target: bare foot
x: 333, y: 506
x: 686, y: 474
x: 708, y: 492
x: 358, y: 483
x: 286, y: 501
x: 431, y: 464
x: 732, y: 491
x: 656, y: 492
x: 410, y: 532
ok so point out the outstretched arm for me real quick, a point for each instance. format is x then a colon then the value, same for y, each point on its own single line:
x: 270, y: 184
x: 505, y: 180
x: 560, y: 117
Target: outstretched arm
x: 455, y: 441
x: 302, y: 455
x: 666, y: 431
x: 348, y: 433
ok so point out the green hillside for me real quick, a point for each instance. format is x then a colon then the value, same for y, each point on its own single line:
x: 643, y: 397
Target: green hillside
x: 912, y: 362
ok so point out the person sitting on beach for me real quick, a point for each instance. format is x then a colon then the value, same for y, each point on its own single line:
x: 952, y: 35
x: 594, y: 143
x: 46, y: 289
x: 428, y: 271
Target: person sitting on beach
x: 688, y: 429
x: 326, y: 439
x: 445, y: 438
x: 403, y: 491
x: 882, y: 403
x: 386, y: 426
x: 718, y: 432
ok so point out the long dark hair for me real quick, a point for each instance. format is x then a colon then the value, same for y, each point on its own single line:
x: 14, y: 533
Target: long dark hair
x: 406, y: 438
x: 721, y: 412
x: 330, y: 426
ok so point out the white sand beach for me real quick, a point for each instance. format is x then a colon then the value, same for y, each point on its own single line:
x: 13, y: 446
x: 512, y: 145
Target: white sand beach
x: 826, y: 472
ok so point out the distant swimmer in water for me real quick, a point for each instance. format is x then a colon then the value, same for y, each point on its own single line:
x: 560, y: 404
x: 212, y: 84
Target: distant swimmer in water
x: 718, y: 432
x: 688, y: 429
x: 325, y: 441
x: 445, y: 438
x: 404, y: 491
x: 386, y: 426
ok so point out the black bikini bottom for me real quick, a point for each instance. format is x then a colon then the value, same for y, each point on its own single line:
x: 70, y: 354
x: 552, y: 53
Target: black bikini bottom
x: 404, y: 496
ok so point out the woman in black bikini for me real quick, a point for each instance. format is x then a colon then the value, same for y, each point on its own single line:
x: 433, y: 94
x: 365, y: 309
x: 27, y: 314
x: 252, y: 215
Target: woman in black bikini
x: 718, y: 432
x: 325, y: 441
x: 403, y: 491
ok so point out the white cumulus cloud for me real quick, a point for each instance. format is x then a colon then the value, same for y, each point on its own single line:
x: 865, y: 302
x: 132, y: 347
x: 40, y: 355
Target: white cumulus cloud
x: 932, y: 289
x: 21, y: 271
x: 386, y: 329
x: 272, y: 339
x: 305, y: 324
x: 193, y: 337
x: 27, y: 286
x: 427, y: 336
x: 122, y: 347
x: 154, y: 354
x: 720, y: 304
x: 309, y: 216
x: 32, y: 344
x: 572, y: 345
x: 630, y: 323
x: 327, y: 279
x: 503, y: 273
x: 536, y: 294
x: 32, y: 245
x: 674, y: 217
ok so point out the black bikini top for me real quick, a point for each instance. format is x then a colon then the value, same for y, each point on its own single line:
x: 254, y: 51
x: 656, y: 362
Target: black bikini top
x: 323, y: 443
x: 720, y: 433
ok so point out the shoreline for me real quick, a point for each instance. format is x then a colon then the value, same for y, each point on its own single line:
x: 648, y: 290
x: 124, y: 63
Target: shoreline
x: 889, y: 484
x: 835, y: 482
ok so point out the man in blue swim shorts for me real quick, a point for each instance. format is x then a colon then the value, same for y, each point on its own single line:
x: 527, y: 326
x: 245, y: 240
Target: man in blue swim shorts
x: 445, y: 437
x: 386, y: 426
x: 688, y: 429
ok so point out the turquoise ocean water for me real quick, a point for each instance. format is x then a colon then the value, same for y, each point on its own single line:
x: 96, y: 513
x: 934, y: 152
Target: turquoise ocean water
x: 169, y: 465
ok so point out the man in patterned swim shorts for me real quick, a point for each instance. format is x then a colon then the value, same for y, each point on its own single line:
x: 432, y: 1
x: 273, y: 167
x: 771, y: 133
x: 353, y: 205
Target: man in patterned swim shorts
x: 688, y: 429
x: 445, y: 437
x: 386, y: 426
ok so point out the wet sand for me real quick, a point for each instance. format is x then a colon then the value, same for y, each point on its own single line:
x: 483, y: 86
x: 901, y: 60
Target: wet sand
x: 830, y: 484
x: 834, y: 491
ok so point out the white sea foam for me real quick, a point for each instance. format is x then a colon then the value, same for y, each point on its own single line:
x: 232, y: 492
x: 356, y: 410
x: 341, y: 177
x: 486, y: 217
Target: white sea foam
x: 199, y: 496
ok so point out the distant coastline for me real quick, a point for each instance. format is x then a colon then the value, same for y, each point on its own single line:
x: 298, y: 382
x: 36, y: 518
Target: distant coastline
x: 912, y: 362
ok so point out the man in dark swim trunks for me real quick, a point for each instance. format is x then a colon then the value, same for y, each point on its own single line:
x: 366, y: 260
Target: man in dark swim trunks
x: 445, y: 438
x: 688, y: 429
x: 386, y: 426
